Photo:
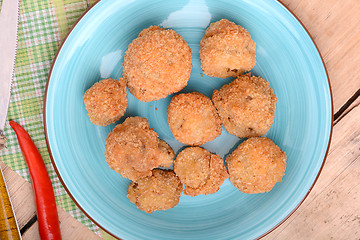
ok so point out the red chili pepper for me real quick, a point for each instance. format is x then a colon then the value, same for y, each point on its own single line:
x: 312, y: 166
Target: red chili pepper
x: 47, y: 215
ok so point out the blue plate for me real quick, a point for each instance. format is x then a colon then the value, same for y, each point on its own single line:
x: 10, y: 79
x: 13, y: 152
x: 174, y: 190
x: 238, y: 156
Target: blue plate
x: 286, y: 57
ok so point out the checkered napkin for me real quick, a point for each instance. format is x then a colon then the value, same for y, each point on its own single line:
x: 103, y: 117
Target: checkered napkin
x: 43, y: 25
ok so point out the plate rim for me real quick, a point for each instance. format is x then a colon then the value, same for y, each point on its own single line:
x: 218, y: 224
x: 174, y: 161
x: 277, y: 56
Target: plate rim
x: 103, y: 228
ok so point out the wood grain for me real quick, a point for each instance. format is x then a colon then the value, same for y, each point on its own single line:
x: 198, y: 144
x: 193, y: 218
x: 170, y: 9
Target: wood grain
x: 69, y: 226
x: 335, y: 28
x: 332, y: 209
x: 350, y: 105
x: 23, y: 201
x: 8, y: 225
x: 21, y: 195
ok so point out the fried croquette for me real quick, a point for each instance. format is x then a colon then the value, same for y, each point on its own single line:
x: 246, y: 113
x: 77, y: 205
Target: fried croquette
x: 201, y: 171
x: 166, y: 155
x: 106, y: 101
x: 218, y: 174
x: 161, y: 191
x: 157, y: 64
x: 193, y: 119
x: 256, y: 165
x: 192, y: 166
x: 246, y: 106
x: 133, y: 149
x: 226, y: 50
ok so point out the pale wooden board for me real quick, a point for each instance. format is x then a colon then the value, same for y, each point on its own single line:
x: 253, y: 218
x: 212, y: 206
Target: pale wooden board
x: 19, y: 190
x: 335, y: 28
x: 353, y: 105
x: 332, y: 209
x: 69, y: 226
x: 23, y: 201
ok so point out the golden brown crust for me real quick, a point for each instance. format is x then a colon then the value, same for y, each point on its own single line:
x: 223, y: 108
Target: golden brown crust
x: 256, y: 165
x: 157, y: 64
x: 192, y: 166
x: 166, y: 154
x: 161, y: 191
x: 218, y: 174
x: 106, y: 101
x: 246, y: 106
x: 133, y: 149
x: 226, y: 50
x: 201, y: 171
x: 193, y: 119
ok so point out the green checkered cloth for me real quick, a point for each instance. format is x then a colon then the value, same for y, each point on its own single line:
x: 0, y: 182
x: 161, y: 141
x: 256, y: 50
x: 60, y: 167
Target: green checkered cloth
x: 43, y: 25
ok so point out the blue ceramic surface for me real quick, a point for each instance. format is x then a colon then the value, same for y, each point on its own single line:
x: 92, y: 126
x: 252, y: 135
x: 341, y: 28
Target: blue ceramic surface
x: 286, y: 57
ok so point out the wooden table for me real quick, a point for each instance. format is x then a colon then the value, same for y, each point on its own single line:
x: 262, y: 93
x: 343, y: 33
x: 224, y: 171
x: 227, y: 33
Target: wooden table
x: 332, y: 208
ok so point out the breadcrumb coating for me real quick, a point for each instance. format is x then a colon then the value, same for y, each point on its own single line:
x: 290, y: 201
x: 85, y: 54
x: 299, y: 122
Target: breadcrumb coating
x: 218, y: 174
x: 166, y: 155
x: 193, y: 119
x: 226, y: 50
x: 192, y: 166
x: 133, y: 149
x: 256, y: 165
x: 246, y: 106
x: 157, y: 64
x: 106, y: 101
x: 201, y: 171
x: 161, y: 191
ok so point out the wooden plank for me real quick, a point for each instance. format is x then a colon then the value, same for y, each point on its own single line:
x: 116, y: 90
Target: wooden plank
x: 23, y: 201
x: 70, y: 229
x: 350, y: 105
x: 19, y: 190
x: 334, y: 26
x: 332, y: 209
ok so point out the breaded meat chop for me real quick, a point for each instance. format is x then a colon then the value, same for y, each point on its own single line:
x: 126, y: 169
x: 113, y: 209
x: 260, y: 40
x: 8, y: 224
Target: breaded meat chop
x: 106, y: 101
x: 226, y: 50
x: 133, y: 149
x: 246, y: 106
x: 256, y: 165
x: 193, y: 119
x: 200, y: 171
x: 157, y: 64
x: 160, y: 191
